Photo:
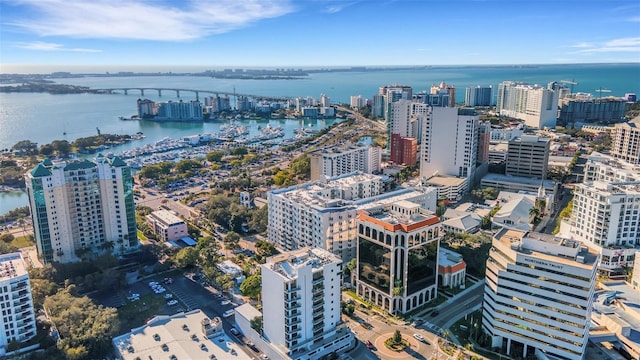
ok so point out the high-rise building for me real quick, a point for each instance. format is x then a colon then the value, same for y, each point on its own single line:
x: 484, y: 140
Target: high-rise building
x: 403, y: 150
x: 325, y: 101
x: 538, y: 295
x: 398, y: 256
x: 449, y: 143
x: 600, y: 110
x: 323, y: 214
x: 357, y: 101
x: 18, y: 322
x: 625, y: 140
x: 484, y: 141
x: 146, y: 108
x: 301, y: 308
x: 536, y: 105
x: 528, y: 156
x: 392, y: 94
x: 400, y: 117
x: 81, y: 208
x: 341, y: 160
x: 479, y: 96
x: 377, y: 106
x: 443, y: 88
x: 179, y: 111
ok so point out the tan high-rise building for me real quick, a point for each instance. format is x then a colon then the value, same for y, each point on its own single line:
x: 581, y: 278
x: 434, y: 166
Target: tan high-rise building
x: 625, y: 140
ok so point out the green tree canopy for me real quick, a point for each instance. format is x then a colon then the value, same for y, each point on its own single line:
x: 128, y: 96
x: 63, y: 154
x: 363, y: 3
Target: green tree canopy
x: 215, y: 156
x: 252, y: 286
x: 86, y: 329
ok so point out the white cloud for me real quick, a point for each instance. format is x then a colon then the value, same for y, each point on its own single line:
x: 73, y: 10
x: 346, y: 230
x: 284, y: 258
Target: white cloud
x: 582, y: 45
x: 46, y: 46
x: 616, y: 45
x: 337, y: 7
x: 138, y: 19
x: 634, y: 19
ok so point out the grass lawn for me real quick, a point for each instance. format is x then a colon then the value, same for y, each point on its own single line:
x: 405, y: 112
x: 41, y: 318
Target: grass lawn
x: 136, y: 313
x: 141, y: 236
x: 23, y: 241
x: 462, y: 333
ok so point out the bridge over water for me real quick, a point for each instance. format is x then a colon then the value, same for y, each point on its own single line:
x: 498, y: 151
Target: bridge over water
x: 141, y: 90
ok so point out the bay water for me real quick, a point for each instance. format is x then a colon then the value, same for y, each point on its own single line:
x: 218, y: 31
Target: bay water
x: 42, y: 117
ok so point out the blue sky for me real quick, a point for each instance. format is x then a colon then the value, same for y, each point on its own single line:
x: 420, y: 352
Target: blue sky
x: 269, y: 33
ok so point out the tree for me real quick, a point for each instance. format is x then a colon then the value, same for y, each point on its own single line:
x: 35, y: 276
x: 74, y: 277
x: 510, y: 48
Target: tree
x: 186, y: 257
x: 7, y: 238
x: 232, y: 240
x: 265, y: 248
x: 397, y: 337
x: 26, y: 146
x: 215, y: 156
x: 256, y: 324
x: 252, y: 286
x: 46, y: 150
x: 61, y: 147
x: 86, y: 329
x: 259, y: 219
x: 534, y: 212
x: 239, y: 151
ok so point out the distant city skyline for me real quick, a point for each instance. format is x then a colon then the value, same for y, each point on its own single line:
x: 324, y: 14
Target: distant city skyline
x: 49, y: 35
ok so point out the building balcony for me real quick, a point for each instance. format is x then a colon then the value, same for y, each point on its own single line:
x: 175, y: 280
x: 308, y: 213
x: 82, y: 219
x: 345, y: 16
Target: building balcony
x: 292, y: 306
x: 318, y: 281
x: 291, y: 322
x: 318, y: 308
x: 292, y: 298
x: 290, y: 314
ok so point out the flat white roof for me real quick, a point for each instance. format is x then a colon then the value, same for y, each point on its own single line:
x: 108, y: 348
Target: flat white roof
x: 11, y: 266
x: 179, y: 335
x: 166, y: 217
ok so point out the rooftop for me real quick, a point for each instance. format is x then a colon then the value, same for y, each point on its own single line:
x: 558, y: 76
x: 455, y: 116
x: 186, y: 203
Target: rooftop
x: 182, y: 336
x: 446, y: 181
x: 11, y: 266
x: 415, y: 219
x: 549, y: 247
x: 166, y: 217
x: 448, y: 257
x: 288, y: 263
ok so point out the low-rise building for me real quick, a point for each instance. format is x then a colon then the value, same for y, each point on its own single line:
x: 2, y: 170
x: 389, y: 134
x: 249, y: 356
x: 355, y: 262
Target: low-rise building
x: 452, y: 270
x: 449, y: 187
x: 167, y: 226
x: 191, y: 335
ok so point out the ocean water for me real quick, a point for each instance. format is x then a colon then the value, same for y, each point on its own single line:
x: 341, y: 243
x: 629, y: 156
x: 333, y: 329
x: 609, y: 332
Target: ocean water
x: 43, y: 118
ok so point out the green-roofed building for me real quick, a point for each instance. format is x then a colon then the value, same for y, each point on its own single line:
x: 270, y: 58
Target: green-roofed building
x: 81, y: 209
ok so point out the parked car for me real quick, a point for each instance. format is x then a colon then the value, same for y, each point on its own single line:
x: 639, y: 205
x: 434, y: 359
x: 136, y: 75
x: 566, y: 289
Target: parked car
x: 168, y: 296
x: 435, y: 313
x: 369, y: 344
x: 225, y: 302
x: 172, y: 302
x: 234, y: 331
x: 228, y: 313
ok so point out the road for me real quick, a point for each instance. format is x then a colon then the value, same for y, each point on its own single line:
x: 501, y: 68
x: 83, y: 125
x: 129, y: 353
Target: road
x: 374, y: 124
x: 452, y: 312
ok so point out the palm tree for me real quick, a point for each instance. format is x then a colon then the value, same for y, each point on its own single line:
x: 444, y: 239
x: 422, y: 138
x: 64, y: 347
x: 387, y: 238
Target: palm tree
x: 534, y: 212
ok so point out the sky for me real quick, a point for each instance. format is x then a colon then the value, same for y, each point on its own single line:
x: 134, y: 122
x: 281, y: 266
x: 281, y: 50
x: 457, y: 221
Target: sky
x: 43, y: 34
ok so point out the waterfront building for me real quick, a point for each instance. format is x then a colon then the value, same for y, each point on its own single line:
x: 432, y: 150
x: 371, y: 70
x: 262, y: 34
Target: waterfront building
x: 346, y: 159
x: 449, y: 143
x: 81, y: 208
x: 357, y: 101
x: 400, y: 117
x: 179, y: 111
x: 442, y: 89
x: 398, y: 256
x: 392, y: 94
x: 625, y: 141
x: 601, y: 110
x: 190, y: 335
x: 479, y: 96
x: 310, y: 112
x: 403, y: 150
x: 328, y: 112
x: 18, y: 316
x: 325, y: 101
x: 441, y: 99
x: 167, y: 226
x: 323, y: 214
x: 538, y: 295
x: 534, y: 104
x: 146, y: 108
x: 528, y: 156
x: 301, y: 311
